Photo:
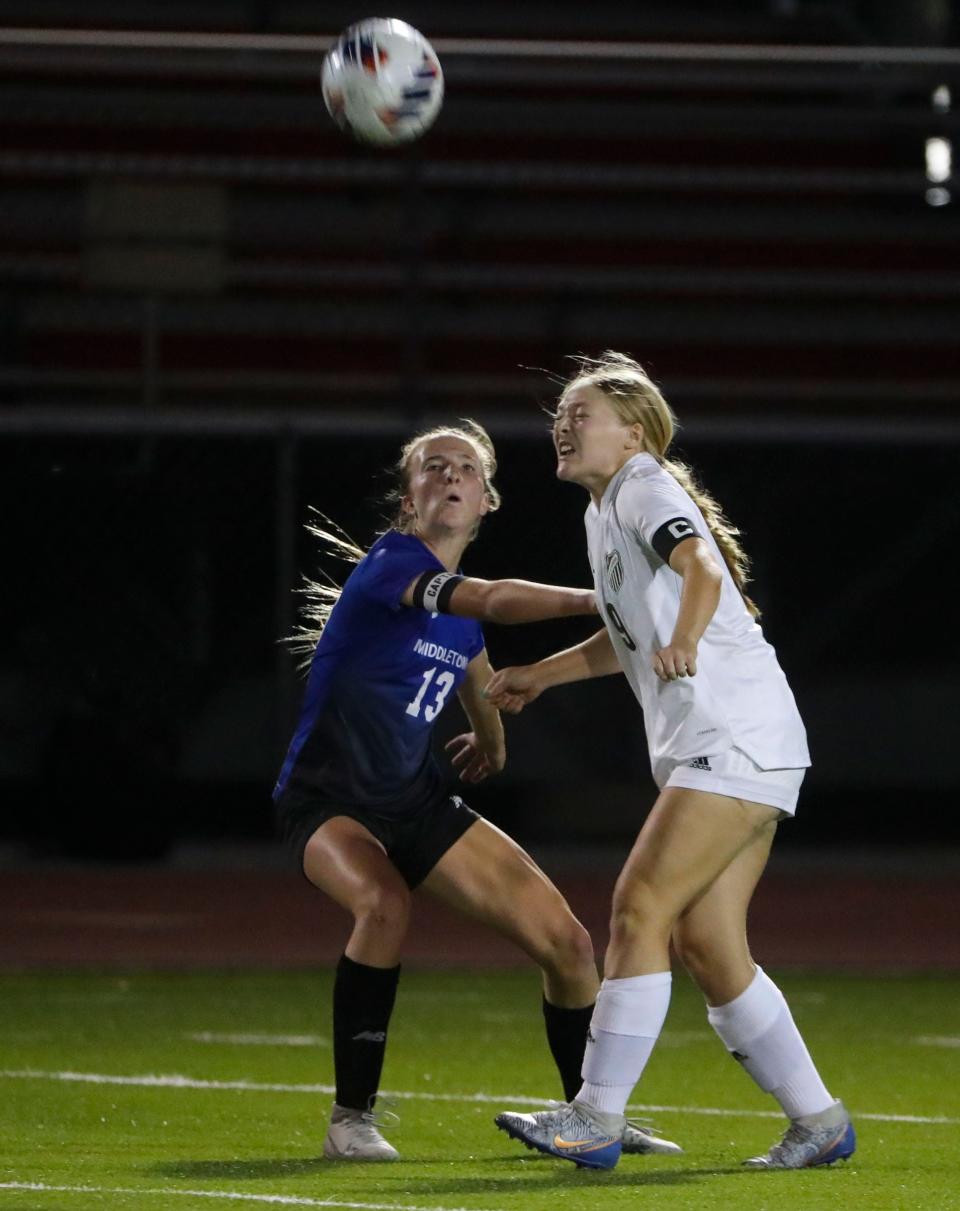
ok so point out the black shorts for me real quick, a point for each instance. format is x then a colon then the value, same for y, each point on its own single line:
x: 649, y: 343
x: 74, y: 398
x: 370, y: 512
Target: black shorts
x: 415, y: 842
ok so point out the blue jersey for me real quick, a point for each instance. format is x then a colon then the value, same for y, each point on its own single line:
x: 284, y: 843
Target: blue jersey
x: 380, y: 676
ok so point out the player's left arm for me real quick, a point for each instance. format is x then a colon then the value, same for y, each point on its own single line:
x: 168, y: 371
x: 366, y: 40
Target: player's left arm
x: 481, y: 752
x: 695, y: 564
x: 506, y: 601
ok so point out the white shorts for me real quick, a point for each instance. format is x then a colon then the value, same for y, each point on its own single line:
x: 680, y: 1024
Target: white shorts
x: 733, y: 773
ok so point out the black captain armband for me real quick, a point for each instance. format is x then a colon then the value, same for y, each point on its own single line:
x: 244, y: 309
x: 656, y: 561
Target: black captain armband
x: 433, y: 590
x: 670, y: 534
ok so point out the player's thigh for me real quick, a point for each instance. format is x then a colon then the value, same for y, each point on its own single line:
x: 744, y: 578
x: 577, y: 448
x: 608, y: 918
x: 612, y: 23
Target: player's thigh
x: 345, y: 860
x: 710, y: 935
x: 488, y: 876
x: 689, y: 839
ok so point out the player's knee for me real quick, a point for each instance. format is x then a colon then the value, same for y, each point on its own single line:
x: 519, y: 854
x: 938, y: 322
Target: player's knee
x: 718, y: 962
x: 384, y: 910
x: 693, y: 950
x: 576, y: 947
x: 568, y: 948
x: 637, y: 909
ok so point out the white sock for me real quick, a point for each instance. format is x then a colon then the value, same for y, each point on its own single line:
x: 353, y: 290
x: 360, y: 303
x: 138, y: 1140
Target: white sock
x: 626, y: 1023
x: 758, y: 1029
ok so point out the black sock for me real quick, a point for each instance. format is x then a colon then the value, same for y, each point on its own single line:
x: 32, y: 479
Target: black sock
x: 362, y: 1004
x: 567, y: 1036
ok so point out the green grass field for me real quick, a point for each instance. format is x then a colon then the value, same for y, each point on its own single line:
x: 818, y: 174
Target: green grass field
x: 244, y: 1123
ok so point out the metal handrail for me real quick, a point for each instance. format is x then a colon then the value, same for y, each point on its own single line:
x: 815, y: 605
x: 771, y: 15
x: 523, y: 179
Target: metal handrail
x: 515, y: 48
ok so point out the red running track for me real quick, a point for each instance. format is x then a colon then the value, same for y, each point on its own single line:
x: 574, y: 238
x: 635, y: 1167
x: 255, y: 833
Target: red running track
x: 811, y: 914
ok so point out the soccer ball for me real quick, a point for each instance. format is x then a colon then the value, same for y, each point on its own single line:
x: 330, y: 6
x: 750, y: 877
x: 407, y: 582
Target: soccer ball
x: 382, y: 82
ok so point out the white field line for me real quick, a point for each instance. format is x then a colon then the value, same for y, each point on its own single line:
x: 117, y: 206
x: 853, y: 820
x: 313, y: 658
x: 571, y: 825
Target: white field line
x: 176, y: 1081
x: 259, y: 1040
x: 283, y: 1200
x: 937, y: 1040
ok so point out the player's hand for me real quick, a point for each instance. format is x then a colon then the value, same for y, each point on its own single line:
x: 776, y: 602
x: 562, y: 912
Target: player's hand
x: 675, y: 660
x: 474, y: 760
x: 512, y: 689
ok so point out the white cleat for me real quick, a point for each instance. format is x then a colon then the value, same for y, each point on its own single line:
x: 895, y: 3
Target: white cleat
x: 815, y: 1139
x: 644, y: 1141
x: 353, y: 1135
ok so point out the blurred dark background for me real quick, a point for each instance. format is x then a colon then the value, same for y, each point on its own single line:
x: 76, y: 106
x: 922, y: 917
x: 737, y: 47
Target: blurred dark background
x: 216, y: 312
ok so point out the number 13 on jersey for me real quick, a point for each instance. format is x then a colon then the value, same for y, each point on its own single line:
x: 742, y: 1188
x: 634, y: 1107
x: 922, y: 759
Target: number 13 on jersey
x: 444, y: 684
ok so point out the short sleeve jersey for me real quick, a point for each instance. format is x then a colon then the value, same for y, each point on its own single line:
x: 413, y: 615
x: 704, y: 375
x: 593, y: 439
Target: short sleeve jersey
x: 380, y: 676
x: 739, y: 696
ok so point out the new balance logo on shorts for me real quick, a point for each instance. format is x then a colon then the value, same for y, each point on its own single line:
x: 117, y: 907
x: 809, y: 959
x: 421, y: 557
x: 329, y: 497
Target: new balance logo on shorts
x: 701, y: 763
x: 370, y: 1036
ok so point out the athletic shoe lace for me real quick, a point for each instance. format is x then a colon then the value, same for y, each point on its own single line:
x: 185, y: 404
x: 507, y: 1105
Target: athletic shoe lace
x: 381, y: 1115
x: 796, y: 1136
x: 640, y: 1122
x: 643, y: 1124
x: 367, y: 1129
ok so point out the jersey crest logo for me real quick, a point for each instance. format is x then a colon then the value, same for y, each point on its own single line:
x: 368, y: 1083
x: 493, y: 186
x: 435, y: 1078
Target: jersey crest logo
x: 613, y: 565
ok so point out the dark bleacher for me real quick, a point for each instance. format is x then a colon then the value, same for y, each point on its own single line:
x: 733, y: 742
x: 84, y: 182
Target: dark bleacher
x: 186, y: 226
x: 216, y: 312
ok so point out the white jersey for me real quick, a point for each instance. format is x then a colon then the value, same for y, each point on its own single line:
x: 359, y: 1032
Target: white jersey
x: 739, y: 696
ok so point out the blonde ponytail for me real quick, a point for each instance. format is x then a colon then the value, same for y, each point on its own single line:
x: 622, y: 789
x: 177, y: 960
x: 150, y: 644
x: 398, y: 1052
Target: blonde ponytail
x: 725, y: 533
x: 320, y: 596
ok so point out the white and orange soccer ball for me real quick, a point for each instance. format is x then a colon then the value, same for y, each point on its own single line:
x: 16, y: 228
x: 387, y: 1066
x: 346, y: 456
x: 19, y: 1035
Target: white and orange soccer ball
x: 382, y: 82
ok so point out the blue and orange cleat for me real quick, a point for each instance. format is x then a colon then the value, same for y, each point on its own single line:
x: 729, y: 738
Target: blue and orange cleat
x: 815, y: 1139
x: 568, y: 1131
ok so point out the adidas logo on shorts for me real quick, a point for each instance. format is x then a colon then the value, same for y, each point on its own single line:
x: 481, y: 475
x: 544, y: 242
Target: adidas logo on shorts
x: 701, y: 763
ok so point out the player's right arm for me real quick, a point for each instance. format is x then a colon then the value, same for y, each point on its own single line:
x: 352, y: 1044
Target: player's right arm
x: 511, y: 689
x: 505, y: 601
